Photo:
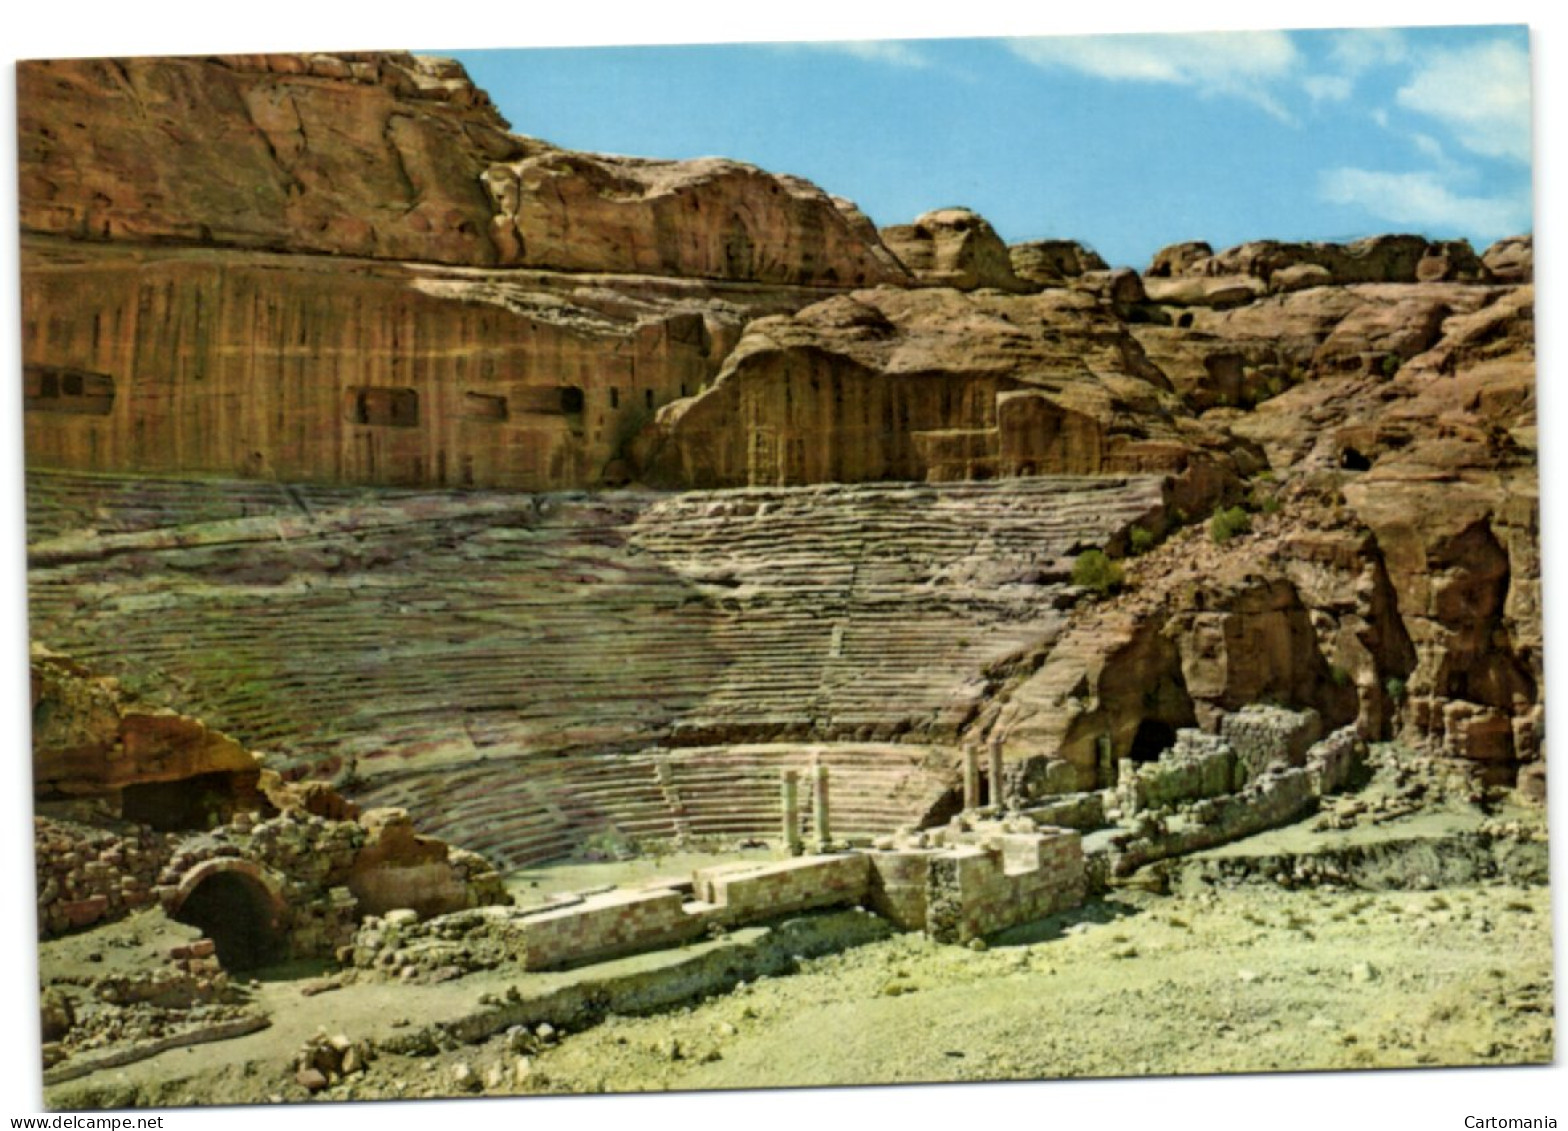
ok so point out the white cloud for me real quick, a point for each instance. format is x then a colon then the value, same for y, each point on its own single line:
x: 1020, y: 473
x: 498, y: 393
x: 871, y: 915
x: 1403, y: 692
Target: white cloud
x: 1328, y: 88
x: 1363, y: 48
x: 1420, y: 199
x: 889, y: 51
x: 1239, y: 63
x: 1430, y: 146
x: 1481, y: 93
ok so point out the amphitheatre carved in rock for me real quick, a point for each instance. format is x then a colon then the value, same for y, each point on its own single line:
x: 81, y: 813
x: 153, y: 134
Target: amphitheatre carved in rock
x: 450, y: 525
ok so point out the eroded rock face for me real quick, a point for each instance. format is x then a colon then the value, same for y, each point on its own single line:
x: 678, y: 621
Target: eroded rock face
x: 367, y: 155
x: 346, y: 270
x: 1511, y: 260
x: 708, y: 218
x: 396, y: 156
x: 1050, y: 263
x: 214, y: 291
x: 954, y: 247
x: 1178, y: 259
x: 308, y: 368
x: 1376, y: 259
x: 938, y: 385
x: 88, y: 742
x: 1400, y: 578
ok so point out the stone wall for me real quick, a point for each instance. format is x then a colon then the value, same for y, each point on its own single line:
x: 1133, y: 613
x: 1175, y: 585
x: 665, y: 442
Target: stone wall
x: 604, y: 926
x: 746, y: 893
x: 1198, y: 766
x: 1280, y: 794
x: 957, y: 885
x: 1083, y: 811
x: 977, y: 890
x: 87, y: 875
x: 1264, y: 736
x: 317, y: 877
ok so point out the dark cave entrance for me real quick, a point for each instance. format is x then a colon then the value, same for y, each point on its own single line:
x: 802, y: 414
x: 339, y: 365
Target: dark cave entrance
x: 237, y: 913
x: 171, y: 806
x: 1152, y: 740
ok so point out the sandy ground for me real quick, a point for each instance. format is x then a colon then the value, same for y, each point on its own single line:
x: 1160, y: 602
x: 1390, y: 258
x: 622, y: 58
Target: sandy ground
x: 1249, y: 980
x: 1254, y: 978
x: 1187, y: 969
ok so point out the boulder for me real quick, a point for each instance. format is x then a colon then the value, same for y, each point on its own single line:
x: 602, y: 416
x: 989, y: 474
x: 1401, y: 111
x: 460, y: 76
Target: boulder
x: 1050, y: 263
x: 1511, y: 260
x: 1178, y: 259
x: 954, y: 247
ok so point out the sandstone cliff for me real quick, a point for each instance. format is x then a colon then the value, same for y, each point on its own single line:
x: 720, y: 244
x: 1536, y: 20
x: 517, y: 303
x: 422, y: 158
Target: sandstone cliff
x: 1393, y: 575
x: 939, y: 385
x: 306, y: 267
x: 345, y: 270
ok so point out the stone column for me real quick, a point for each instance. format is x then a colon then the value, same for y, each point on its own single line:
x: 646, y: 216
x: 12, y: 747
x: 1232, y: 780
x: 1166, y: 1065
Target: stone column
x: 994, y: 772
x: 971, y: 779
x: 819, y: 797
x: 791, y: 799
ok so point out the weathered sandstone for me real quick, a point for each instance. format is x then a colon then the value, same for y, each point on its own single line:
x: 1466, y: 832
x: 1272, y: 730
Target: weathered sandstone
x: 938, y: 385
x: 1050, y: 263
x: 954, y: 247
x: 407, y: 295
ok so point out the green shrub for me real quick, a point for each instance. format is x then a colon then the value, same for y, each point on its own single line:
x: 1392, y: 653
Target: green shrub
x: 1395, y: 688
x: 1340, y: 675
x: 1389, y: 365
x: 1141, y: 540
x: 1094, y: 571
x: 1228, y: 523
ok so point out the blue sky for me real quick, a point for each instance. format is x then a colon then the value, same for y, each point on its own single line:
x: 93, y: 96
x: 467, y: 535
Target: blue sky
x: 1126, y: 142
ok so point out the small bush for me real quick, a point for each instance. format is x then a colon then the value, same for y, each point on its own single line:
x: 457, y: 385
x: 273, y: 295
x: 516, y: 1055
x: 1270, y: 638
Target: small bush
x: 1340, y: 675
x: 1395, y: 688
x: 1389, y: 365
x: 1141, y: 540
x: 1094, y: 571
x: 1228, y: 523
x: 1269, y: 504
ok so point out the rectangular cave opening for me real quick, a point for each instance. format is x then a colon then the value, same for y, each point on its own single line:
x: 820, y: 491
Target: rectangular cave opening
x: 548, y: 400
x: 483, y: 406
x: 383, y: 407
x: 47, y: 388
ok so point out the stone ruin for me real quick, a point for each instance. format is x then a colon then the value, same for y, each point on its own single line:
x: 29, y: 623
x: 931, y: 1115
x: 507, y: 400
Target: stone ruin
x: 865, y: 464
x: 993, y: 866
x: 139, y: 806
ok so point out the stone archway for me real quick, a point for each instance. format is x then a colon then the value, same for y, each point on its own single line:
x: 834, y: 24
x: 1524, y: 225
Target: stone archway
x: 239, y: 907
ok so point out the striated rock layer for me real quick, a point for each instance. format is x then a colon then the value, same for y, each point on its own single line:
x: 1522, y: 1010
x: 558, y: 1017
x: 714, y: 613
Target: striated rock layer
x: 522, y: 672
x: 323, y: 271
x: 302, y: 330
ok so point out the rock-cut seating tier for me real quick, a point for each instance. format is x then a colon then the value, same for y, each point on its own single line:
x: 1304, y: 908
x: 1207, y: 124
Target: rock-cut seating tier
x: 517, y: 814
x: 505, y: 654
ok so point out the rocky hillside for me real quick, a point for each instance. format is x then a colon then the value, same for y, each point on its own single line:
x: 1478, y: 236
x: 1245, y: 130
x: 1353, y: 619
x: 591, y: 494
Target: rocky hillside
x: 336, y: 270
